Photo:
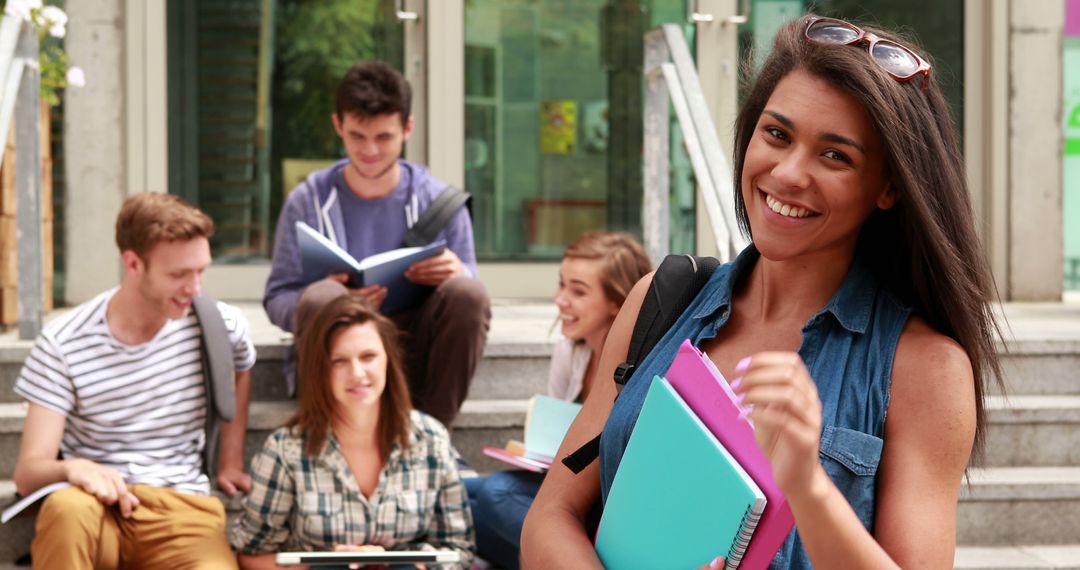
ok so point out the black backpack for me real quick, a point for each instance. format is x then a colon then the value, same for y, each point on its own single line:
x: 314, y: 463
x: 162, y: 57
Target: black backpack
x: 435, y: 217
x: 675, y: 284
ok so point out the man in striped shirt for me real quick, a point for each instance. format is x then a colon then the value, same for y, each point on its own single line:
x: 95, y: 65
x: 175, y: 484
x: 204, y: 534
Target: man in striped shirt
x: 116, y: 387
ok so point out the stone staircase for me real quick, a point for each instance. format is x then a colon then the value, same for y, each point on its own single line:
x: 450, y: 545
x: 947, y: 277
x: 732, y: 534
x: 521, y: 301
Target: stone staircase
x: 1021, y: 510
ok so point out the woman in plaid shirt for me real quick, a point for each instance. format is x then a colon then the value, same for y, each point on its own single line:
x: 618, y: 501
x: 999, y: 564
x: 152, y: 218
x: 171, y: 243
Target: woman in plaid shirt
x: 355, y: 467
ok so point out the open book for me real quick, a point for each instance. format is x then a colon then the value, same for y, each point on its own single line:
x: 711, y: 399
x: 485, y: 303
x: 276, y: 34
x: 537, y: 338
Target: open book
x: 20, y: 505
x: 546, y: 423
x: 320, y: 257
x: 679, y: 499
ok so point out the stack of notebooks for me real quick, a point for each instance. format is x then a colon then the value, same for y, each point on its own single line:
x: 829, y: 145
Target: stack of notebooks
x: 693, y: 483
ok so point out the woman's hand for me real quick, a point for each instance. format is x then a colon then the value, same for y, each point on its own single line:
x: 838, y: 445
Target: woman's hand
x: 786, y: 413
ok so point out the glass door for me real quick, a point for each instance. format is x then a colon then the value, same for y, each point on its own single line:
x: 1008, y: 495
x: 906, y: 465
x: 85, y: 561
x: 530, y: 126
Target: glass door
x: 553, y: 122
x: 251, y: 90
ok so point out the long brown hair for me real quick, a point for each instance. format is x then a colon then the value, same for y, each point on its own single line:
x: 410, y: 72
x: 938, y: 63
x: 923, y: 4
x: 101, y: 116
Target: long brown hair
x: 925, y: 248
x: 623, y: 261
x: 316, y: 400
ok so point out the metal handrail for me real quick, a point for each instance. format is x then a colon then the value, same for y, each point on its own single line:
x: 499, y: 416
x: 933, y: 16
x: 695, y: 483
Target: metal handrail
x: 11, y: 69
x: 21, y: 98
x: 671, y: 78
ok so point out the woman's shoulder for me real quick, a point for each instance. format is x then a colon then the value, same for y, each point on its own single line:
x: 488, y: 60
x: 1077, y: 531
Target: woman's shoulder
x: 285, y: 442
x: 924, y: 347
x: 932, y: 374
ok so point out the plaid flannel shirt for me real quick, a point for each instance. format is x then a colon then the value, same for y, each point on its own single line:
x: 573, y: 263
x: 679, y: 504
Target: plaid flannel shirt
x: 310, y: 504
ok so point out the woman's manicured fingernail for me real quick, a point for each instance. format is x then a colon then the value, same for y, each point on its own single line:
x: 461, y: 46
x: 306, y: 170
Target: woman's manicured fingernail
x: 736, y: 383
x: 739, y: 399
x: 743, y: 364
x: 715, y: 563
x: 745, y: 412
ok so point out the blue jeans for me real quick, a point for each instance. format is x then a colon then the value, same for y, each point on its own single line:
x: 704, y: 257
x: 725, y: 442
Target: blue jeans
x: 499, y: 504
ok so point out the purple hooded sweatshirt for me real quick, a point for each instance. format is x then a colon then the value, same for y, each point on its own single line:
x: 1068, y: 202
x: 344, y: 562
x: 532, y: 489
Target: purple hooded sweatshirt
x: 361, y: 227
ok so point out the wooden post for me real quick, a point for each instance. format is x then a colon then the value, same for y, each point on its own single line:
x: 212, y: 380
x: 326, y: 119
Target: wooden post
x: 9, y: 270
x: 9, y: 267
x: 10, y: 234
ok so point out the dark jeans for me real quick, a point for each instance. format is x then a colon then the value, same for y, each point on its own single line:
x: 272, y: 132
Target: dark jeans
x: 442, y: 339
x: 499, y: 503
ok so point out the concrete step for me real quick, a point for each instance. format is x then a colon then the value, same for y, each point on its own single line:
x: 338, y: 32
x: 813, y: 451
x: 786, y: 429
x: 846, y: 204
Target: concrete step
x: 1040, y: 367
x: 515, y: 363
x: 1014, y: 506
x: 15, y: 539
x: 1040, y: 357
x: 1023, y: 430
x: 514, y: 369
x: 15, y: 536
x: 508, y: 370
x: 481, y: 422
x: 1041, y: 352
x: 1033, y: 430
x: 1017, y: 557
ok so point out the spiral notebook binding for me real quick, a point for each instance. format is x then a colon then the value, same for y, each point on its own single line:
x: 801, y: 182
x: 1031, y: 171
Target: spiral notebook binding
x: 742, y: 539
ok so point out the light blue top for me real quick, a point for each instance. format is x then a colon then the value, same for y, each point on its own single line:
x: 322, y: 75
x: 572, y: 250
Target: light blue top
x: 848, y: 347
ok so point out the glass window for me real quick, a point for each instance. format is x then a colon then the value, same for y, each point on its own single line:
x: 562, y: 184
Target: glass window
x: 553, y: 123
x: 1071, y: 119
x: 251, y: 91
x: 936, y: 25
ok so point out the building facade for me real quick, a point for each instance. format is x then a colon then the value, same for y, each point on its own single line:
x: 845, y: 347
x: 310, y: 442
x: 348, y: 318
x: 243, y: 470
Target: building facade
x: 533, y: 106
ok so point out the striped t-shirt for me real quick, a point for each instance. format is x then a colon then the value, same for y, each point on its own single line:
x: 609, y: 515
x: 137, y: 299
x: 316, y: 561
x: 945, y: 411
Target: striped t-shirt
x: 138, y: 409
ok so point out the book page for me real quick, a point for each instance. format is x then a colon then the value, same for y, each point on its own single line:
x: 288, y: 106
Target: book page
x: 380, y: 258
x: 21, y: 504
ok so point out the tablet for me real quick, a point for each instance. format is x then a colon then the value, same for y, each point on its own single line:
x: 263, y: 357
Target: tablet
x: 373, y: 557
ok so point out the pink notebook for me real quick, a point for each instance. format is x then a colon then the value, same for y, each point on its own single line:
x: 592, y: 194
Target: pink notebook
x: 515, y: 460
x: 705, y: 390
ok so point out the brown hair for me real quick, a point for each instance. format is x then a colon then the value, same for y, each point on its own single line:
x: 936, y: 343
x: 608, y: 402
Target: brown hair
x: 149, y: 218
x: 622, y: 261
x: 373, y: 88
x: 316, y: 400
x: 925, y: 248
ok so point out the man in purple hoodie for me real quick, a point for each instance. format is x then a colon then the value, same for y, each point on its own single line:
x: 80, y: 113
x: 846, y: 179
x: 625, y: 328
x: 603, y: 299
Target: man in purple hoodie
x: 366, y: 203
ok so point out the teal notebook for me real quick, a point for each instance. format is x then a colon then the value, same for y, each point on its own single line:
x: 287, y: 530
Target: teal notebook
x: 678, y: 499
x: 546, y: 424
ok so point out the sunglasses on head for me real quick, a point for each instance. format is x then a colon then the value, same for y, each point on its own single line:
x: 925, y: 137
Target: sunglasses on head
x: 897, y: 60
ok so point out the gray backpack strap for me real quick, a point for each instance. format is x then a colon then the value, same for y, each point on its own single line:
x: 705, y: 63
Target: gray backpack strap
x: 435, y: 217
x: 218, y: 375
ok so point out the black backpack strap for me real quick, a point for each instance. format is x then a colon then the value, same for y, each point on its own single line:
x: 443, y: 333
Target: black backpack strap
x: 675, y: 284
x: 435, y: 217
x: 218, y: 375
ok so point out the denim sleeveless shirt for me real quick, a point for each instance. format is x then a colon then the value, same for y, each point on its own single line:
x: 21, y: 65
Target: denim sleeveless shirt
x: 848, y: 347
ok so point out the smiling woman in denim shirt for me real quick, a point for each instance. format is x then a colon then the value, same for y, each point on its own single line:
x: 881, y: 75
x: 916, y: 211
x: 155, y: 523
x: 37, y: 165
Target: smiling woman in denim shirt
x: 865, y: 291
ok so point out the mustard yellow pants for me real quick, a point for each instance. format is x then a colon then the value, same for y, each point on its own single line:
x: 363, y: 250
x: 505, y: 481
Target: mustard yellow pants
x: 167, y: 530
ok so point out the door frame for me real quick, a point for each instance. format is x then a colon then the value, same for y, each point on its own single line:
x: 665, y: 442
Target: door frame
x: 444, y: 126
